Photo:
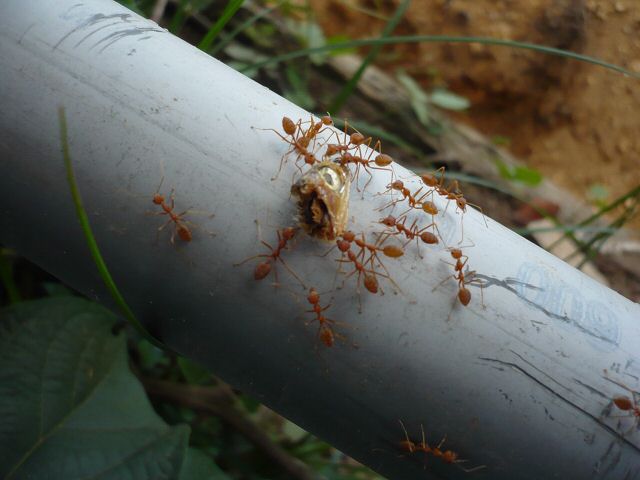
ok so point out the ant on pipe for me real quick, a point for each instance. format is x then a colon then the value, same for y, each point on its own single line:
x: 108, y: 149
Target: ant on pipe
x: 181, y: 228
x: 447, y: 456
x: 628, y: 405
x: 299, y: 141
x: 411, y: 233
x: 398, y: 186
x: 263, y: 269
x: 463, y: 279
x: 325, y: 330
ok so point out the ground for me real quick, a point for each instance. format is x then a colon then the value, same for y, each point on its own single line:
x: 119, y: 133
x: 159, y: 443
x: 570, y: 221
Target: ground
x: 577, y: 124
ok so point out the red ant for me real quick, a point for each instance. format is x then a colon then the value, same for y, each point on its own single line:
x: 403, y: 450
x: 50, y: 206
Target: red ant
x: 381, y: 161
x: 630, y: 405
x: 452, y: 192
x: 463, y: 279
x: 447, y: 456
x: 411, y: 198
x: 181, y: 229
x: 299, y: 143
x: 263, y: 269
x: 325, y: 331
x: 360, y: 263
x: 412, y: 232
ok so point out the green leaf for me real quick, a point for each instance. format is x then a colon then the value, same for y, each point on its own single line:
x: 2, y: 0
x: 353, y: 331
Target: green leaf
x: 448, y: 100
x: 417, y: 97
x: 521, y: 174
x: 197, y: 464
x: 193, y: 372
x: 528, y: 176
x: 598, y: 194
x: 70, y: 406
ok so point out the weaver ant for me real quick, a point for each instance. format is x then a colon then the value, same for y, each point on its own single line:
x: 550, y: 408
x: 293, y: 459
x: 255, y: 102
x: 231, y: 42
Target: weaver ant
x: 181, y: 227
x: 463, y: 279
x: 629, y: 405
x: 411, y: 198
x: 452, y: 192
x: 299, y: 141
x: 447, y: 456
x: 264, y: 268
x: 325, y: 331
x: 412, y: 232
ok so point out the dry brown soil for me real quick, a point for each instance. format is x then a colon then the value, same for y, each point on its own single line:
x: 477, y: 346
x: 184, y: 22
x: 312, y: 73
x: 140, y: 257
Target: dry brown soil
x: 576, y: 123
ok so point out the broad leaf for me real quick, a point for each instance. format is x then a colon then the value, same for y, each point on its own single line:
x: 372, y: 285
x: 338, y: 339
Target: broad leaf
x: 69, y: 405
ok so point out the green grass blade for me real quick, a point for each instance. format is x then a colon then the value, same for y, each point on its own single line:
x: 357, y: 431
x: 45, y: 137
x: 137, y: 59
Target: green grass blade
x: 179, y: 17
x: 227, y: 14
x: 91, y: 241
x: 441, y: 39
x: 349, y: 87
x: 242, y: 27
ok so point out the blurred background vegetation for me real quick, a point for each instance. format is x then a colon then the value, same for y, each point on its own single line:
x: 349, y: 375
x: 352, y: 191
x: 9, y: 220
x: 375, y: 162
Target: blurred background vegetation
x: 545, y: 144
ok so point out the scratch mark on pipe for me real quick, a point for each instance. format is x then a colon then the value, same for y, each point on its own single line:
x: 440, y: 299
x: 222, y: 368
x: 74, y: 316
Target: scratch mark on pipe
x: 93, y: 19
x: 88, y: 35
x: 115, y: 36
x: 531, y: 377
x: 507, y: 285
x: 541, y: 372
x: 591, y: 389
x: 25, y: 33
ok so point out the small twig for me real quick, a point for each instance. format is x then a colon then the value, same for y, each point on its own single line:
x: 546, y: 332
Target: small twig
x: 220, y: 401
x: 158, y: 10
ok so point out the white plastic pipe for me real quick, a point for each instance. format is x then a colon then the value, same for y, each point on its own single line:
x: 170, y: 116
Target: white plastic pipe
x: 518, y: 385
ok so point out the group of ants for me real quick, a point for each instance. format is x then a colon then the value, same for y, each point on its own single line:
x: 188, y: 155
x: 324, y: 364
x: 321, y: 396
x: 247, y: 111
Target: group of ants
x: 364, y: 256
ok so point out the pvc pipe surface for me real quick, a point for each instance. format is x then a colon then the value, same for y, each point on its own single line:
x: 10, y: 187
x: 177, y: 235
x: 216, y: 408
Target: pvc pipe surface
x: 518, y: 385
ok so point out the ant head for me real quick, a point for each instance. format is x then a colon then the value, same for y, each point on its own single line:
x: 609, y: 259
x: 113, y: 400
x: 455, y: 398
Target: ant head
x: 461, y: 202
x: 158, y: 199
x: 343, y: 245
x: 456, y: 253
x: 349, y: 236
x: 288, y: 233
x: 332, y: 149
x: 326, y: 120
x: 397, y: 185
x: 309, y: 158
x: 389, y: 221
x: 449, y: 456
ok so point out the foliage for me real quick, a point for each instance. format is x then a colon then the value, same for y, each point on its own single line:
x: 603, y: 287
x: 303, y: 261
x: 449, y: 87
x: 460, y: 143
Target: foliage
x: 71, y: 406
